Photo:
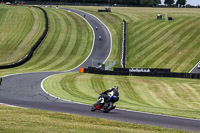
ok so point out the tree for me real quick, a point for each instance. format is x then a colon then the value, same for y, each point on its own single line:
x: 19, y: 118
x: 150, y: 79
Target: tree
x: 134, y: 2
x: 147, y: 2
x: 169, y: 2
x: 181, y: 2
x: 157, y: 2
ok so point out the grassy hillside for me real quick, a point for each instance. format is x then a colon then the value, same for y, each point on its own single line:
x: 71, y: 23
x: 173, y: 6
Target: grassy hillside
x: 152, y: 43
x: 177, y: 97
x: 160, y: 44
x: 67, y: 44
x: 20, y: 28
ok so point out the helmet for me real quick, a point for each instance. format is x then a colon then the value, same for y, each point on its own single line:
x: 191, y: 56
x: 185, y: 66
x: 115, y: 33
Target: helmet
x: 116, y: 88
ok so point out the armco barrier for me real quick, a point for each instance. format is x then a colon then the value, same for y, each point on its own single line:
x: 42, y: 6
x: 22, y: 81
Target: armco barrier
x: 30, y: 54
x: 153, y: 73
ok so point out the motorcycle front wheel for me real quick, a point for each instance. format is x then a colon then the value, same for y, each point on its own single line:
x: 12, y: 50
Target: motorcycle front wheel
x: 93, y: 108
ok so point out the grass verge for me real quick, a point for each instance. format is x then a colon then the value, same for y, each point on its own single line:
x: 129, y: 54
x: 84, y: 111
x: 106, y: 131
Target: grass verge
x: 20, y: 120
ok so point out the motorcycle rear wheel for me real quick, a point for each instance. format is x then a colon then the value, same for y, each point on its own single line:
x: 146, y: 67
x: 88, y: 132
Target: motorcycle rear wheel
x: 108, y: 108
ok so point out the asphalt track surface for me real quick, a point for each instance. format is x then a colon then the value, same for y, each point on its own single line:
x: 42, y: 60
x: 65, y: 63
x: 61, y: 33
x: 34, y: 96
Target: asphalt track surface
x: 25, y: 90
x: 195, y: 69
x: 101, y: 48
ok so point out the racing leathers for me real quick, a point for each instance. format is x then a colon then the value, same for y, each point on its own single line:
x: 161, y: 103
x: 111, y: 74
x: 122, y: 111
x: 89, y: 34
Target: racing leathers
x: 105, y: 95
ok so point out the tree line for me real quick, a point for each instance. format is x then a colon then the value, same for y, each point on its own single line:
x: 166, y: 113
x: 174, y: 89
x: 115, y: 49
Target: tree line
x: 118, y: 2
x: 178, y: 2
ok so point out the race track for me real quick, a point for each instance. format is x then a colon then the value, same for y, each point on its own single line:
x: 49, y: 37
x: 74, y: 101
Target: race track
x: 195, y: 69
x: 25, y: 90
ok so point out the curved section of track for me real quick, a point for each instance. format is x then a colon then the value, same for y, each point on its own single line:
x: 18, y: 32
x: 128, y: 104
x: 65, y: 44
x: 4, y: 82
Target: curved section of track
x: 101, y: 48
x: 25, y: 90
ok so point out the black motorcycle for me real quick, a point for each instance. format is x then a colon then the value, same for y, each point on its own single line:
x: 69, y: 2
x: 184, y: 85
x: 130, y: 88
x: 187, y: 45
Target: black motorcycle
x: 106, y: 106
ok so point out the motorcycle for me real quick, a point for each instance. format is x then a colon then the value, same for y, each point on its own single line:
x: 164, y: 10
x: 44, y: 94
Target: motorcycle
x: 106, y: 106
x: 99, y: 38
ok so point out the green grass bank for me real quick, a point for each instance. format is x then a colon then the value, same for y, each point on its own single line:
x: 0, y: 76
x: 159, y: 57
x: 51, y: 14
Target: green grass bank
x: 20, y: 120
x: 169, y: 96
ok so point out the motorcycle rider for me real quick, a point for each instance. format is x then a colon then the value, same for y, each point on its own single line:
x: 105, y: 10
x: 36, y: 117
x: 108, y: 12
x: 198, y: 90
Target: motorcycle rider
x: 112, y: 92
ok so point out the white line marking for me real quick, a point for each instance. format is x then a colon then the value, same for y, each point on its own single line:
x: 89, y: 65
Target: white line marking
x: 9, y: 105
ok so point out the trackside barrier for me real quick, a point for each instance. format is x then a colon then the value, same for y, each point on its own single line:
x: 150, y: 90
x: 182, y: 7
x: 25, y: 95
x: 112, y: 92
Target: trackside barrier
x: 152, y: 70
x: 153, y: 73
x: 104, y: 11
x: 123, y: 57
x: 30, y: 54
x: 104, y: 72
x: 1, y: 80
